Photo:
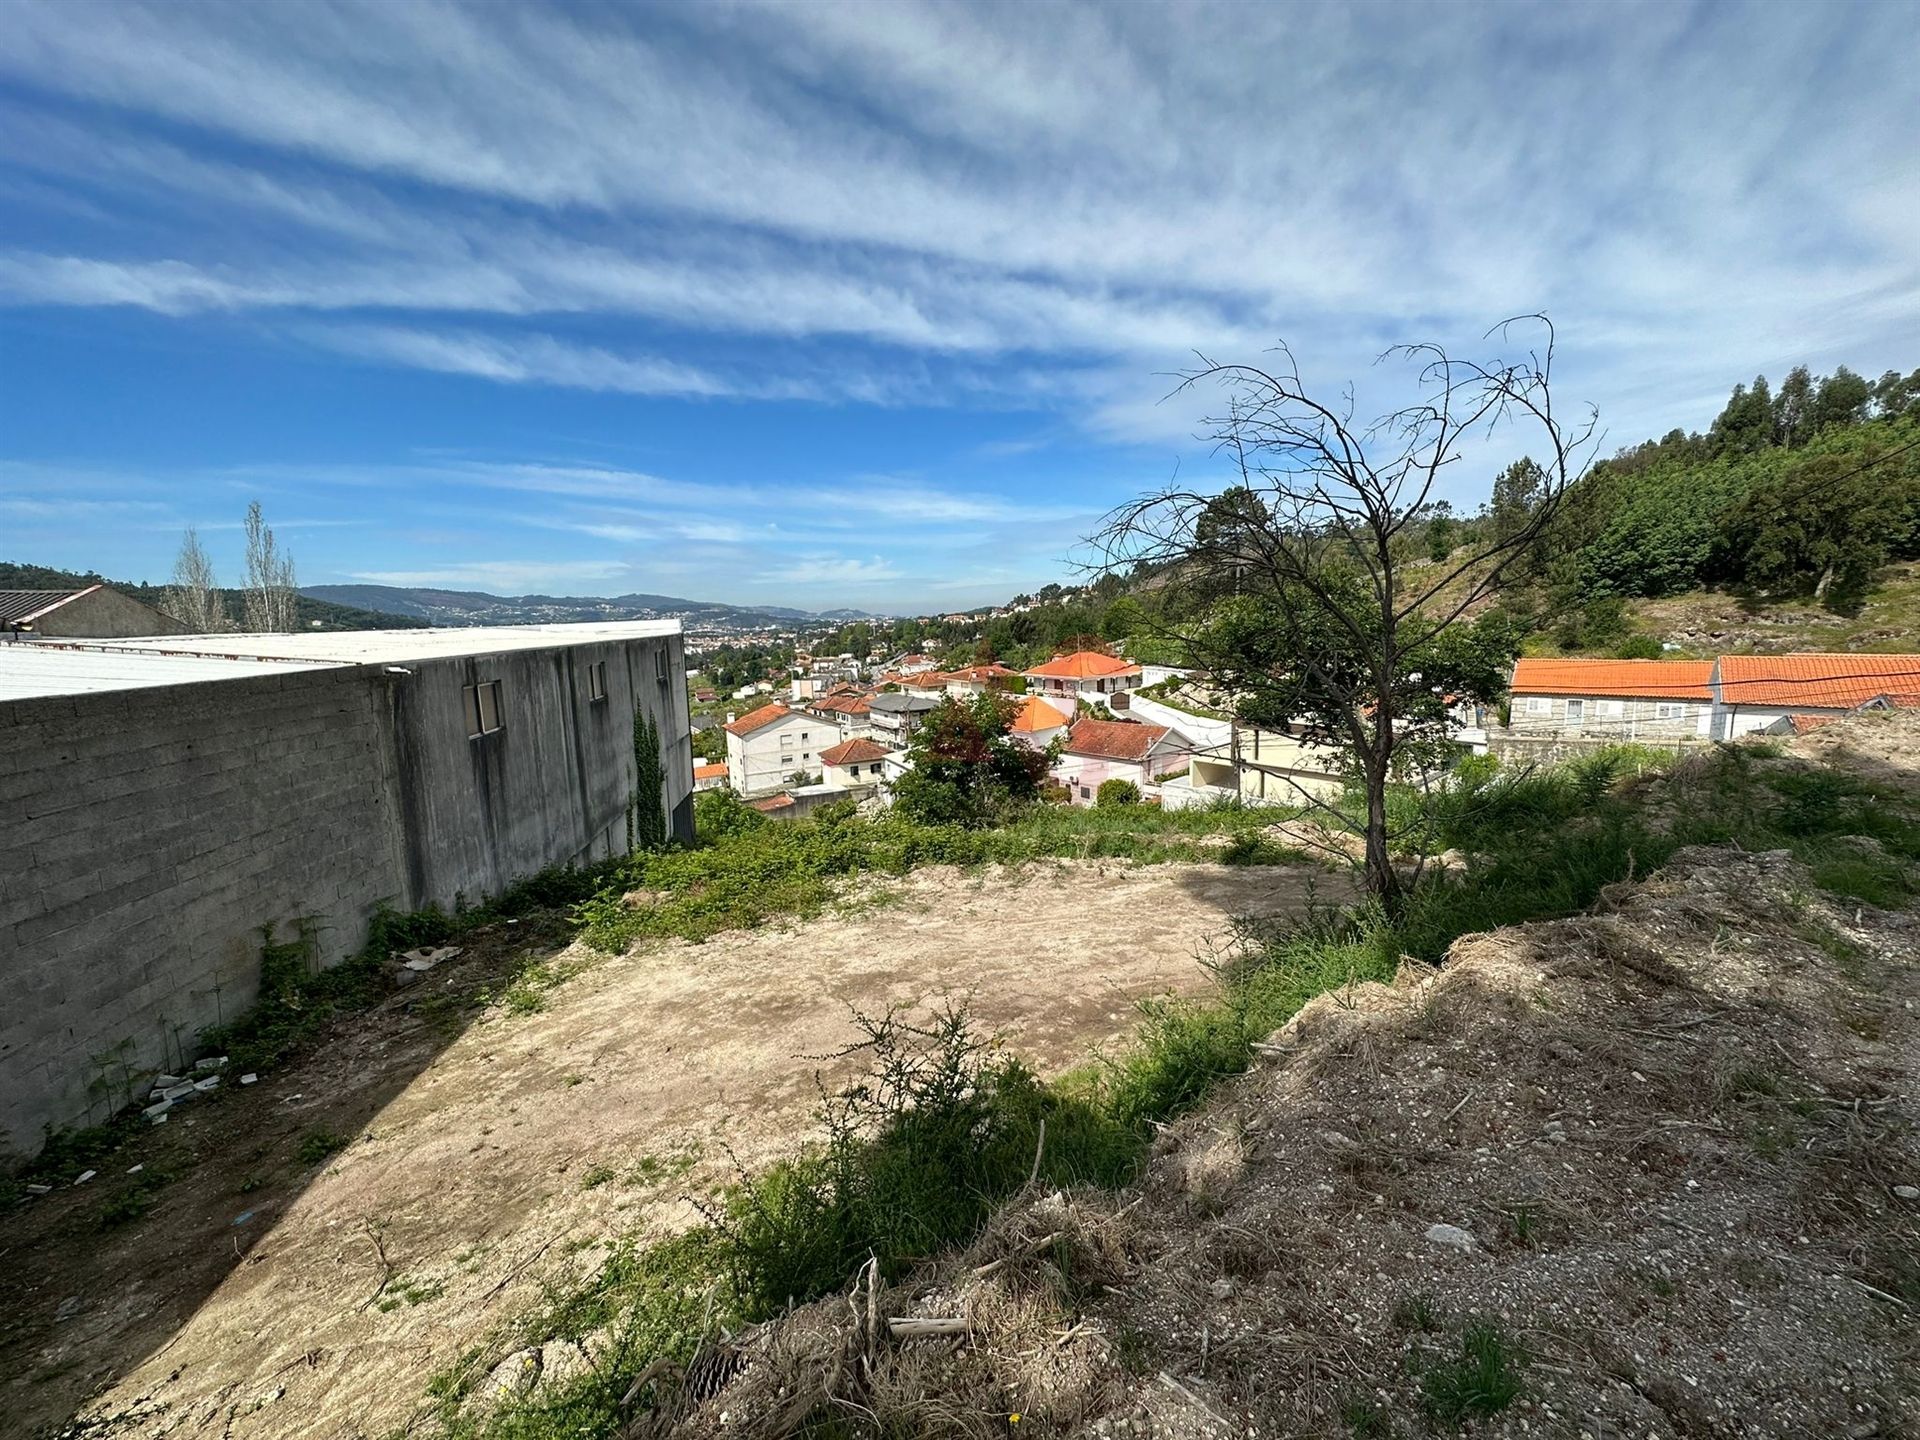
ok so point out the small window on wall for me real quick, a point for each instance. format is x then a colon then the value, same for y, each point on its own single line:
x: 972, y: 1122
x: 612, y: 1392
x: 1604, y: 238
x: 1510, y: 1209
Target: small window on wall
x: 483, y: 708
x: 1576, y: 710
x: 1539, y: 705
x: 662, y: 671
x: 597, y: 680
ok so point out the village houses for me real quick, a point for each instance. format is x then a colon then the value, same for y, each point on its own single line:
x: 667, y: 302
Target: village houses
x: 1066, y: 679
x: 1097, y: 751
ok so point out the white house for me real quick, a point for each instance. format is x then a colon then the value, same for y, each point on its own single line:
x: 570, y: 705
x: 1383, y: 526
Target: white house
x: 1757, y: 692
x: 1038, y: 723
x: 853, y: 765
x: 850, y: 710
x: 709, y: 777
x: 1658, y: 700
x: 766, y: 747
x: 1065, y: 678
x: 1101, y: 750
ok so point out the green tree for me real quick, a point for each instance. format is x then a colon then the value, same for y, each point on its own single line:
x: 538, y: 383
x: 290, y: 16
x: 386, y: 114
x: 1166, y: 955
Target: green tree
x: 1312, y: 618
x: 1841, y: 400
x: 1116, y: 794
x: 1746, y: 424
x: 967, y: 769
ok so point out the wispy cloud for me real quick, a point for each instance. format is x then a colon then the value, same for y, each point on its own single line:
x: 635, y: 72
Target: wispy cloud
x: 503, y: 576
x: 837, y: 570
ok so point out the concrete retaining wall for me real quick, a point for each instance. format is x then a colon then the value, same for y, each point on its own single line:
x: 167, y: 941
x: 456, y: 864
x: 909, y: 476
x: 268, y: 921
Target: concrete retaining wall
x: 151, y: 833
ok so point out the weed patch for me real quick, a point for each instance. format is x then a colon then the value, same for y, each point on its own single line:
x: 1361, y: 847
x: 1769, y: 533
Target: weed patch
x: 1482, y: 1380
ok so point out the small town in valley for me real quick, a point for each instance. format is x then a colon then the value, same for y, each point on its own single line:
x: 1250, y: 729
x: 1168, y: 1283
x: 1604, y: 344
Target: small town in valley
x: 783, y: 721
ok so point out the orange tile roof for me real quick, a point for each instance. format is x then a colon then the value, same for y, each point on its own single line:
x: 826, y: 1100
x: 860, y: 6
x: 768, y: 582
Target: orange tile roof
x: 709, y: 772
x: 772, y: 802
x: 1803, y: 723
x: 1084, y: 665
x: 1113, y: 739
x: 983, y: 673
x: 1629, y: 679
x: 1821, y: 682
x: 853, y: 752
x: 1036, y: 714
x: 758, y: 719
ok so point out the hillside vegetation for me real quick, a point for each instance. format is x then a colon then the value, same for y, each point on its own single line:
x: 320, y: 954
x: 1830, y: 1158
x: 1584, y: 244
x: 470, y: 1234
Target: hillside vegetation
x: 310, y: 612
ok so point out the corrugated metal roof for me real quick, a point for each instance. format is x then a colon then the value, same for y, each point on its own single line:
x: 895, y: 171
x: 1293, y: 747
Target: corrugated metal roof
x: 31, y: 670
x: 1629, y: 679
x: 17, y: 606
x: 396, y: 647
x: 34, y: 667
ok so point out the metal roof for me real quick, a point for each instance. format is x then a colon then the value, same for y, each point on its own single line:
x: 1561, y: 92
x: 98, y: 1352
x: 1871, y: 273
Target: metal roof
x: 19, y: 606
x: 31, y: 670
x: 396, y: 647
x: 32, y: 667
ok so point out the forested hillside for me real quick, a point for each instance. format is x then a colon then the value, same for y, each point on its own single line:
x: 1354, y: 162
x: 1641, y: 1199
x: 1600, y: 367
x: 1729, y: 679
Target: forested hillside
x: 311, y: 613
x: 1802, y: 498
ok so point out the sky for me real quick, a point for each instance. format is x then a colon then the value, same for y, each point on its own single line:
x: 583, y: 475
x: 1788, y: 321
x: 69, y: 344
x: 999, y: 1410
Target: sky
x: 871, y: 305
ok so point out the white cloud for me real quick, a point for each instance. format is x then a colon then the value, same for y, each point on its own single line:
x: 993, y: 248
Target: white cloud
x: 500, y: 576
x: 837, y: 570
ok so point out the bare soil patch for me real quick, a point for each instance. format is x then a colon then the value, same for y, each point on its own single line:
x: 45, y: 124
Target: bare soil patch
x: 273, y: 1292
x: 1674, y: 1141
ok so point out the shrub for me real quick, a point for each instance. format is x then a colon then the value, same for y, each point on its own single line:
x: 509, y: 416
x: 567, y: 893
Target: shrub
x: 1481, y: 1381
x: 1116, y: 792
x: 1638, y: 647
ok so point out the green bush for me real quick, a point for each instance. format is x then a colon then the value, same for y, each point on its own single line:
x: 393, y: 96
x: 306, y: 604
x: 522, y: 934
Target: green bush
x: 1116, y: 792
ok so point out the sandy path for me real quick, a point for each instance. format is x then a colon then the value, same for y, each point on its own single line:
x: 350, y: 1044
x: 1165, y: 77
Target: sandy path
x: 469, y: 1179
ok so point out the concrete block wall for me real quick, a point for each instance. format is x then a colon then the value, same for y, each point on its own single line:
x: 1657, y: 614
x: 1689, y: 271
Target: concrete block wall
x: 147, y: 835
x: 150, y: 835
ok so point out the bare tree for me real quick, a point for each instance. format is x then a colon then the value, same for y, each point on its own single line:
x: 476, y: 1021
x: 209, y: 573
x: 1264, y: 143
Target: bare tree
x: 194, y: 597
x: 270, y: 581
x: 1306, y: 588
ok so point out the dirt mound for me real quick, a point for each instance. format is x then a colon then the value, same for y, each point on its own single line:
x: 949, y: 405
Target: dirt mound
x: 1646, y: 1172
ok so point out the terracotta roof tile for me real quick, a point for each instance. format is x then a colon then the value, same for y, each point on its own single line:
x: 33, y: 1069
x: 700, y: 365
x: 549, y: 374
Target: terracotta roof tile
x: 772, y: 802
x: 853, y: 752
x: 1822, y: 682
x: 1084, y: 665
x: 1629, y: 679
x: 758, y: 719
x: 1113, y: 739
x: 1035, y: 715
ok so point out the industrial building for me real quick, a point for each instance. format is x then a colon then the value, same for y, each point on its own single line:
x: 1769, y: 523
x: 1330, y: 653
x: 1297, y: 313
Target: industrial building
x: 169, y: 797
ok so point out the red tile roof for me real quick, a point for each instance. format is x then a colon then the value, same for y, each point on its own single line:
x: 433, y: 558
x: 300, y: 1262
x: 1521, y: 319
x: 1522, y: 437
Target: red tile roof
x: 1084, y: 665
x: 758, y: 719
x: 1821, y: 682
x: 1628, y: 679
x: 709, y: 772
x: 1037, y: 714
x: 983, y: 674
x: 772, y: 802
x: 1113, y: 739
x: 853, y: 752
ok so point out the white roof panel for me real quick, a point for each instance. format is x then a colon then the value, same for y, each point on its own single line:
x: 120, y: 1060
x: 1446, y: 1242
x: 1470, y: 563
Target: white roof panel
x: 36, y: 667
x: 30, y: 670
x: 396, y: 647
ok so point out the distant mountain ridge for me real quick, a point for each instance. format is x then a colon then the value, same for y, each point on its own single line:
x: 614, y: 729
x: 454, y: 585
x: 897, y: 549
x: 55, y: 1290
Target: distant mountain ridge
x: 477, y: 607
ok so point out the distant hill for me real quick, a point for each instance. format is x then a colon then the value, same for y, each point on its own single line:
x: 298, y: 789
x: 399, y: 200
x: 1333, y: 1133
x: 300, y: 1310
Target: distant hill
x: 313, y: 612
x: 475, y: 607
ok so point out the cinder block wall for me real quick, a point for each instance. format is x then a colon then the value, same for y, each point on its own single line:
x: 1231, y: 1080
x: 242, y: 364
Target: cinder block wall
x: 149, y: 834
x: 146, y: 836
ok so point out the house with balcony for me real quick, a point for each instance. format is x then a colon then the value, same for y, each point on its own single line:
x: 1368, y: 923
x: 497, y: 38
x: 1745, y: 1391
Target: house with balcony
x: 854, y: 765
x: 767, y: 747
x: 894, y: 716
x: 1086, y: 674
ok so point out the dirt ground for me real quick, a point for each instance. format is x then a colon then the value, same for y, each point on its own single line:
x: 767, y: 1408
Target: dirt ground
x: 273, y: 1293
x: 1665, y: 1154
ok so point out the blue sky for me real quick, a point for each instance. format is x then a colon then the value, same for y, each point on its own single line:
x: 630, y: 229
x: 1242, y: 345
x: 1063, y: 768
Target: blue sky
x: 872, y: 305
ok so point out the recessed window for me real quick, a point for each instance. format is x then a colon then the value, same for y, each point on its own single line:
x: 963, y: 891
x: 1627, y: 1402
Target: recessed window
x: 661, y: 670
x: 1576, y: 710
x: 483, y: 708
x: 1669, y: 712
x: 1539, y: 705
x: 597, y: 680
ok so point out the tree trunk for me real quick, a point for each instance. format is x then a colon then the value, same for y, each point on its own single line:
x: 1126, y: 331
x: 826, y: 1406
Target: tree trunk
x: 1383, y: 881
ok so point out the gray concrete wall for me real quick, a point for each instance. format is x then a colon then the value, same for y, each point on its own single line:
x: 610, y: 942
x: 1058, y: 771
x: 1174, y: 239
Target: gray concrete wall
x: 1516, y: 750
x: 106, y: 614
x: 151, y: 833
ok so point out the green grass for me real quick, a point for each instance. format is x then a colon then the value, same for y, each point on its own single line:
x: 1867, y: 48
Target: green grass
x: 752, y: 873
x: 318, y: 1145
x: 1483, y: 1379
